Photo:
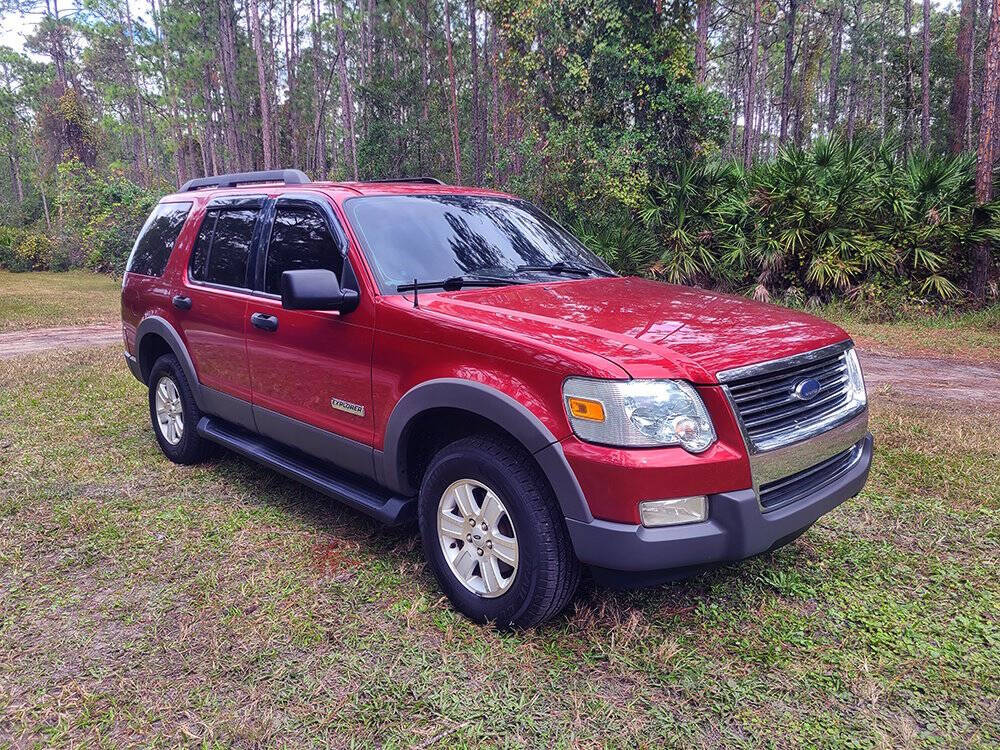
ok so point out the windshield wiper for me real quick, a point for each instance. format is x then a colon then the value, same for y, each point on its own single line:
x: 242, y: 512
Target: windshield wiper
x: 563, y: 267
x: 457, y: 282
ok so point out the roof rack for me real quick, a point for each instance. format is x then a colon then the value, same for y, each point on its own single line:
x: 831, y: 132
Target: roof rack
x: 420, y: 180
x: 287, y: 176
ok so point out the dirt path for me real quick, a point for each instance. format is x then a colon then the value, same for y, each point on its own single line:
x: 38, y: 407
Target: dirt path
x: 925, y: 379
x: 933, y: 380
x: 16, y: 343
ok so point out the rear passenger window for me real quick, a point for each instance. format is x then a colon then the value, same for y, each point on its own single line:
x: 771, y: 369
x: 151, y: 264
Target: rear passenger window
x: 222, y: 249
x: 300, y: 240
x: 156, y: 239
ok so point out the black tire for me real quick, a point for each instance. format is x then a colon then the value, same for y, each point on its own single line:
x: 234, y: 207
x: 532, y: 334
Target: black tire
x: 547, y: 573
x: 191, y: 447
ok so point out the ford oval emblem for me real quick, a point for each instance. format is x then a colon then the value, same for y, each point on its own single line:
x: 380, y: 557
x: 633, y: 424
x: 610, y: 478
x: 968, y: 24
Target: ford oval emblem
x: 807, y: 389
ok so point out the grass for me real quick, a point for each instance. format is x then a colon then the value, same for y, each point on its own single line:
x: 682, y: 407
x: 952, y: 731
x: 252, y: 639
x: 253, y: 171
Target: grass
x: 971, y: 336
x: 143, y: 603
x: 37, y: 300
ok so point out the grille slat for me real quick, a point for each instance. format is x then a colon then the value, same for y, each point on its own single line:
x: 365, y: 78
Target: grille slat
x: 782, y: 492
x: 782, y: 390
x: 798, y: 407
x: 768, y: 407
x: 804, y: 371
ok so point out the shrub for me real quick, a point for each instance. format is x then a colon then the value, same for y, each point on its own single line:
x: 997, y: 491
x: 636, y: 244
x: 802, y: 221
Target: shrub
x: 25, y: 250
x: 824, y: 221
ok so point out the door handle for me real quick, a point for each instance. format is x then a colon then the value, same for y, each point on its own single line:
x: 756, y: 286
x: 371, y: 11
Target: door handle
x: 264, y: 322
x: 182, y: 303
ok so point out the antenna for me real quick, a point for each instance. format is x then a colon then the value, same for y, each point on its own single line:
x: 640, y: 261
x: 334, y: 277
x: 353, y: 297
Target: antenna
x: 416, y: 288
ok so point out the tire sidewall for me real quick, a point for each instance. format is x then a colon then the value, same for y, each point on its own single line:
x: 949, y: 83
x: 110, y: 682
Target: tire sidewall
x: 464, y: 462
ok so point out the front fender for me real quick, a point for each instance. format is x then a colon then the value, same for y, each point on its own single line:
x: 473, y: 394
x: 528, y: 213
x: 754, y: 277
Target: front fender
x: 497, y: 407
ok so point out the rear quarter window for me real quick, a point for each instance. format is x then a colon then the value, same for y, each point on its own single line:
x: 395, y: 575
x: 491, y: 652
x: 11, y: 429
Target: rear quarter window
x: 156, y: 239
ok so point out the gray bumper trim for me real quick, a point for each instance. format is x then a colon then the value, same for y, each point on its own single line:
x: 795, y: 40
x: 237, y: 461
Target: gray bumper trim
x: 736, y: 528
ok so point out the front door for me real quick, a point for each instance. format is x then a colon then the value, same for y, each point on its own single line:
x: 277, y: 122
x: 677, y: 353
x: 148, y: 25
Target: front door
x: 310, y: 370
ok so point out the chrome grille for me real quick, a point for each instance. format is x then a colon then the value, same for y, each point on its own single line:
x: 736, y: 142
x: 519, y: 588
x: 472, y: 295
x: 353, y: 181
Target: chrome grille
x: 765, y: 400
x: 785, y: 491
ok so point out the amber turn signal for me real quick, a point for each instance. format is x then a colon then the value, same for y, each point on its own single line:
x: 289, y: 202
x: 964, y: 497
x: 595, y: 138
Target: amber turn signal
x: 585, y: 408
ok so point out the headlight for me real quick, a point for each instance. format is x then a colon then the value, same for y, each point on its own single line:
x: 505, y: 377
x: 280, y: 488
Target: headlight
x: 638, y: 413
x: 858, y: 393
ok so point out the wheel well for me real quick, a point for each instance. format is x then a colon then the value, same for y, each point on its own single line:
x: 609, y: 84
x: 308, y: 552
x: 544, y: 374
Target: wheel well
x: 433, y: 429
x: 151, y: 348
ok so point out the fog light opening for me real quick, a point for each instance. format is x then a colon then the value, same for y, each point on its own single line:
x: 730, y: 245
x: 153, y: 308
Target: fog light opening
x: 674, y: 512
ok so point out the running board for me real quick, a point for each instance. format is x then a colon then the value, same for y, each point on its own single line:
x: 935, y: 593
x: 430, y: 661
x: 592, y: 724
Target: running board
x: 358, y: 493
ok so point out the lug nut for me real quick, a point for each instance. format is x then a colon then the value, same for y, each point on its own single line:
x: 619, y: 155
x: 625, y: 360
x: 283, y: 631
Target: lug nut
x: 489, y: 544
x: 485, y: 527
x: 468, y: 537
x: 472, y: 522
x: 479, y: 552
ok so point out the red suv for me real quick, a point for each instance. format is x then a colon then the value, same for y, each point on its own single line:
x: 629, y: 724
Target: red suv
x: 449, y: 354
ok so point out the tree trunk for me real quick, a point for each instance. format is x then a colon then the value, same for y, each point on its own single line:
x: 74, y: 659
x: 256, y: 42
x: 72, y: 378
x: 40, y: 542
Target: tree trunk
x: 852, y: 89
x: 925, y: 81
x: 425, y: 82
x: 751, y: 96
x: 209, y: 110
x: 959, y: 105
x: 882, y: 67
x: 786, y: 80
x: 264, y: 86
x: 346, y: 97
x: 838, y: 34
x: 230, y: 87
x: 319, y: 162
x: 477, y: 141
x: 456, y: 152
x: 907, y: 78
x: 182, y: 172
x: 987, y: 149
x: 701, y: 40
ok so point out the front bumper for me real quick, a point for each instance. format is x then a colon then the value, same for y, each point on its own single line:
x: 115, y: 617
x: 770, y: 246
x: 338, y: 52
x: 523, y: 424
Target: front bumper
x: 736, y: 528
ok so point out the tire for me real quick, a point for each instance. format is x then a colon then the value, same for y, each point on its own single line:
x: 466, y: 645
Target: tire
x: 180, y: 442
x: 547, y: 572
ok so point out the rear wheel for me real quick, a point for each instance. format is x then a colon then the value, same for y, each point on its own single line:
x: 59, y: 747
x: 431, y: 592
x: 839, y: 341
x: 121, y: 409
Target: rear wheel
x: 494, y: 535
x: 174, y: 413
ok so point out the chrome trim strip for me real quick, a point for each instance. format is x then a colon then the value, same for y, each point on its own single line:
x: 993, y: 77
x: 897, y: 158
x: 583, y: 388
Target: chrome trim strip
x: 769, y: 466
x: 762, y: 368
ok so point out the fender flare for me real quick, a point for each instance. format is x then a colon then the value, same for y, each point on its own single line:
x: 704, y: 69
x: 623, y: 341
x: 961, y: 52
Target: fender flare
x: 497, y: 407
x: 154, y: 324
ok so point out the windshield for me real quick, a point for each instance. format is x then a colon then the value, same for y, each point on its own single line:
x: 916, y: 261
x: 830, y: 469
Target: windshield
x: 436, y: 237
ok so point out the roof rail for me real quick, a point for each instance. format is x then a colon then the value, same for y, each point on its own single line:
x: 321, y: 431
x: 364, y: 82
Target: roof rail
x: 287, y: 176
x: 420, y: 180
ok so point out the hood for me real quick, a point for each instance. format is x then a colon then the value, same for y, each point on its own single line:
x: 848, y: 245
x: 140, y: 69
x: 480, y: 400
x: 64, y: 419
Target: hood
x: 646, y: 326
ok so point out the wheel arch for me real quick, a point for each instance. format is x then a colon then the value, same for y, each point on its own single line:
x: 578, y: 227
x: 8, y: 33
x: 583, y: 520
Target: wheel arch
x: 156, y: 337
x: 452, y: 408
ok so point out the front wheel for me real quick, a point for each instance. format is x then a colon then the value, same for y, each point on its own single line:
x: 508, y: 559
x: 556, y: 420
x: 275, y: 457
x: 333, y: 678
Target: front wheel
x: 494, y: 535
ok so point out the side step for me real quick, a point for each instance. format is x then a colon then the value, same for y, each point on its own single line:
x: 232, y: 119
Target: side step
x: 361, y: 494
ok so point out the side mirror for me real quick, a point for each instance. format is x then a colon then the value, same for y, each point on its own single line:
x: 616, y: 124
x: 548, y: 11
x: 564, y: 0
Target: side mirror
x: 315, y: 289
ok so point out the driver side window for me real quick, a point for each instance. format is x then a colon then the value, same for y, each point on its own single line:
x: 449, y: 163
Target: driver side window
x: 300, y: 240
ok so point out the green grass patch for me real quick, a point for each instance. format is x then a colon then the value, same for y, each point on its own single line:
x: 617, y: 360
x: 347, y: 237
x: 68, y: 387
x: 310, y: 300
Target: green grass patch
x: 969, y: 335
x: 143, y: 603
x: 42, y: 299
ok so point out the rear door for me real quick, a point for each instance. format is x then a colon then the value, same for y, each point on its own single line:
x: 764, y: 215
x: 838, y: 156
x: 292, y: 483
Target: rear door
x: 310, y: 369
x: 213, y: 303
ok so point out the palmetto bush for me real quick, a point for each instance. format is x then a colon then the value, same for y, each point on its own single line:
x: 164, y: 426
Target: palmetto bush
x: 824, y: 221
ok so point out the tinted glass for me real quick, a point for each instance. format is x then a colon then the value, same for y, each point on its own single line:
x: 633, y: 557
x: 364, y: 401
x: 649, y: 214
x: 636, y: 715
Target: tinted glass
x: 230, y: 250
x: 299, y: 240
x: 156, y: 240
x: 202, y: 243
x: 432, y: 237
